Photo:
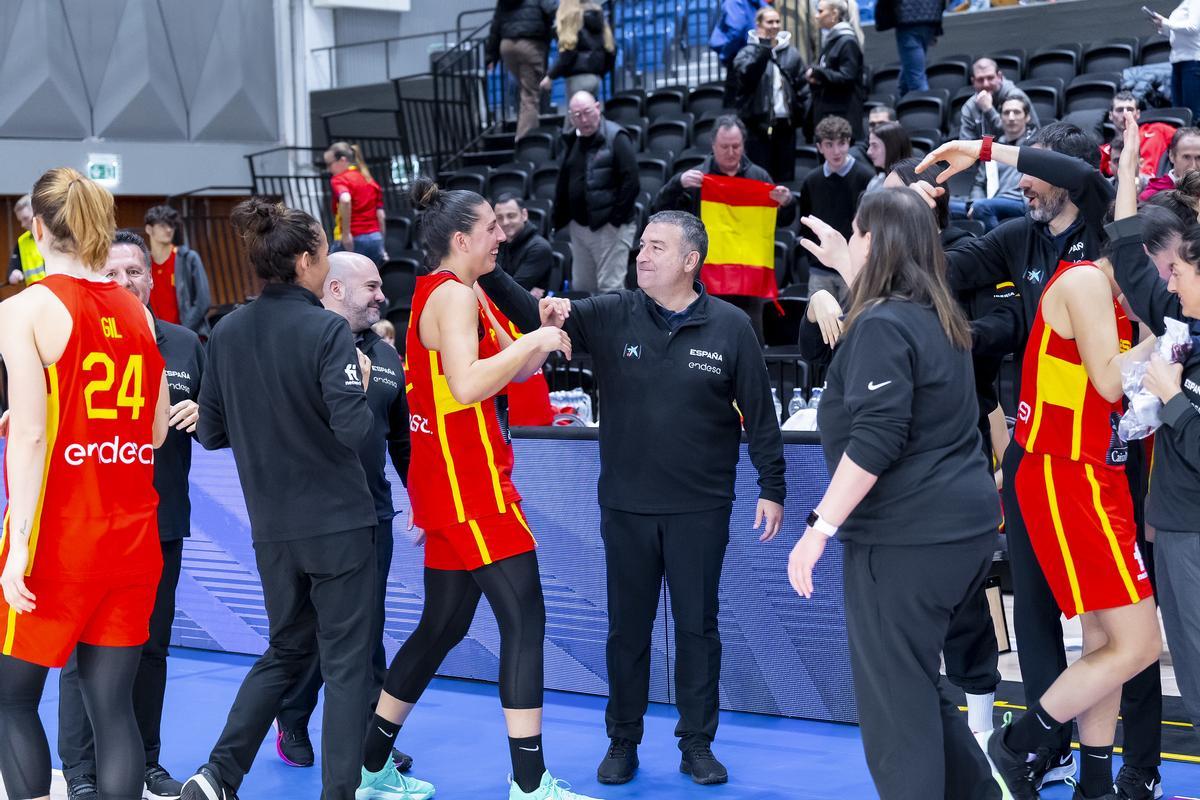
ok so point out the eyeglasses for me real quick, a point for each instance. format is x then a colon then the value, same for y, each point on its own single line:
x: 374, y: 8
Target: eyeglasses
x: 584, y: 113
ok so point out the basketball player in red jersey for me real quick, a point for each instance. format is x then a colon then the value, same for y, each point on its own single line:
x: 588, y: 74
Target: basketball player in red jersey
x: 1077, y: 507
x: 89, y: 404
x: 477, y: 541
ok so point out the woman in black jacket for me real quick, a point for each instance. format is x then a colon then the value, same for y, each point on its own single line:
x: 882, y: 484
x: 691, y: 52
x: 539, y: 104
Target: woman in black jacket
x: 770, y: 94
x: 586, y: 49
x: 837, y: 77
x: 911, y: 496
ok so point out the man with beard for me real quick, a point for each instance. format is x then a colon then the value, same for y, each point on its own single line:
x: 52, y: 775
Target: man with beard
x: 1067, y: 202
x: 353, y: 290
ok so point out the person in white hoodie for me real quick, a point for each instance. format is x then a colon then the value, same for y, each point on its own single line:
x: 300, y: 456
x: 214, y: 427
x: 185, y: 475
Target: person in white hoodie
x: 770, y: 94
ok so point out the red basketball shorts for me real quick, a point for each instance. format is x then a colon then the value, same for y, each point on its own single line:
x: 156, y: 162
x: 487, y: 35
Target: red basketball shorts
x: 104, y: 613
x: 1080, y: 522
x: 479, y: 542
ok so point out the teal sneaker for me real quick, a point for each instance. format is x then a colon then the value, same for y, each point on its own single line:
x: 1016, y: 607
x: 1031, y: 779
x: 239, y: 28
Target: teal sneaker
x: 388, y: 784
x: 549, y: 790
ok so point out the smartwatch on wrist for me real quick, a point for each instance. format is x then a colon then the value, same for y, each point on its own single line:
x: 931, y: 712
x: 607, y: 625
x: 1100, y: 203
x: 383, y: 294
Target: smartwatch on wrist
x: 985, y: 150
x: 821, y: 526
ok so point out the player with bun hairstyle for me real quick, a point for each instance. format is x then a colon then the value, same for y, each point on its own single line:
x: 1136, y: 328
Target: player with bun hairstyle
x: 459, y: 358
x: 285, y: 389
x: 79, y: 548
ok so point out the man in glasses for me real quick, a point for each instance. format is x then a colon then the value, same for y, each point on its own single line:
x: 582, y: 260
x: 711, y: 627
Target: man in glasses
x: 595, y: 196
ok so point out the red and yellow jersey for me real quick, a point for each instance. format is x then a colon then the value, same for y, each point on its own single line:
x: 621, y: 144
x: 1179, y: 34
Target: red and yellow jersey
x: 97, y: 512
x: 529, y: 401
x: 1061, y: 413
x: 462, y: 460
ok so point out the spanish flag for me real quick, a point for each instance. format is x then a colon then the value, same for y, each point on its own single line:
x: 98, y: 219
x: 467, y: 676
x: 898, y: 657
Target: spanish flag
x: 739, y: 215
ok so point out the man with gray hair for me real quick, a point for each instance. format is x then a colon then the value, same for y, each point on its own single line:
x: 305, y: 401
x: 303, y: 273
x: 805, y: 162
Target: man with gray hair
x: 980, y: 116
x: 353, y: 289
x: 675, y: 365
x: 595, y: 195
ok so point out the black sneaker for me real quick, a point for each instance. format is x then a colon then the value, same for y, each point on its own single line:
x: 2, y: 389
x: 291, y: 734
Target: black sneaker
x: 82, y: 787
x: 159, y: 782
x: 1137, y: 783
x: 1052, y: 766
x: 206, y: 785
x: 403, y: 761
x: 1011, y: 770
x: 294, y: 746
x: 1079, y: 795
x: 620, y: 762
x: 699, y: 762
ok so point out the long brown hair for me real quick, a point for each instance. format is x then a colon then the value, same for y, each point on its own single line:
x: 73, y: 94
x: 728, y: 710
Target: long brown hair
x: 905, y: 262
x: 568, y: 21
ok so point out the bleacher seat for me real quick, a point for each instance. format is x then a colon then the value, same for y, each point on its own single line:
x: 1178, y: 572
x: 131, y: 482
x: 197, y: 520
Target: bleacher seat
x: 807, y: 159
x: 971, y: 226
x: 1091, y: 91
x: 544, y: 181
x: 703, y: 131
x: 540, y: 213
x: 1046, y: 96
x: 925, y: 139
x: 1110, y: 56
x: 638, y: 131
x: 781, y: 329
x: 1060, y: 62
x: 471, y: 181
x: 535, y: 146
x: 706, y: 100
x: 667, y: 138
x: 665, y: 101
x: 690, y: 158
x: 514, y: 180
x: 399, y: 278
x: 1155, y: 49
x: 652, y: 173
x: 950, y: 73
x: 886, y: 79
x: 957, y: 101
x: 1179, y: 117
x: 398, y: 232
x: 624, y: 109
x: 1090, y: 120
x: 926, y: 109
x: 562, y: 259
x: 1011, y: 62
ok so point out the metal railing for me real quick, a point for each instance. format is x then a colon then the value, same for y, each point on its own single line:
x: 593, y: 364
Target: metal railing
x: 297, y: 176
x: 207, y: 229
x: 388, y: 152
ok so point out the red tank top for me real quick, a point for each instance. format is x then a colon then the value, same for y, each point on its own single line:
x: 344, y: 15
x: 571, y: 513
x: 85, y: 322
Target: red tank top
x: 97, y: 512
x: 528, y: 402
x: 461, y: 466
x: 1061, y: 413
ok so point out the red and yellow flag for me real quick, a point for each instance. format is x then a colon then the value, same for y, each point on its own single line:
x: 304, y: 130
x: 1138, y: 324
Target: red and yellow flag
x: 739, y: 215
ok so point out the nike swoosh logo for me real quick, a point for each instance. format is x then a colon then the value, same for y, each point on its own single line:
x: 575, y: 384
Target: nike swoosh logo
x: 1102, y: 758
x: 873, y: 386
x: 1044, y: 725
x: 1150, y: 786
x: 530, y: 749
x: 381, y: 730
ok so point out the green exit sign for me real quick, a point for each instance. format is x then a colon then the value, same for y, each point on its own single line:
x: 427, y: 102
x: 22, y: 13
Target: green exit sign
x: 104, y: 169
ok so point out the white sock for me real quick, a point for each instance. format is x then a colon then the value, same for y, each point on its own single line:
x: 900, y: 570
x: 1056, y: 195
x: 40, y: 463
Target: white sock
x: 979, y: 711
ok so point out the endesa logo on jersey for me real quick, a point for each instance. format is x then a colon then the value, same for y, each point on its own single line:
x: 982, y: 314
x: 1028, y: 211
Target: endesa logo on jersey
x: 111, y: 452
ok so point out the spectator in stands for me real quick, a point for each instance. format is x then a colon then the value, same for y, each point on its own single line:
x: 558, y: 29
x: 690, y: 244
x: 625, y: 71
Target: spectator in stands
x: 831, y: 193
x: 918, y: 23
x: 880, y: 115
x: 386, y: 331
x: 520, y: 37
x: 25, y: 265
x: 729, y: 36
x: 180, y: 293
x: 360, y: 221
x: 887, y: 144
x: 682, y: 192
x: 996, y: 195
x: 837, y: 77
x: 770, y: 94
x: 1156, y: 137
x: 525, y: 254
x: 1184, y: 156
x: 1183, y: 30
x: 595, y: 196
x: 586, y: 49
x: 980, y: 116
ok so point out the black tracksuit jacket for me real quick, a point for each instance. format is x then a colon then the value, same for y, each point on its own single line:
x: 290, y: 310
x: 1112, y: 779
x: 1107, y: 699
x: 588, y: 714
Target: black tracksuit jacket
x: 283, y: 390
x: 669, y: 437
x: 185, y: 358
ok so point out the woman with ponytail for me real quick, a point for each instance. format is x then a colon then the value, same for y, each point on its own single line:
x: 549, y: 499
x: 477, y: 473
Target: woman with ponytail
x: 359, y: 219
x: 80, y: 551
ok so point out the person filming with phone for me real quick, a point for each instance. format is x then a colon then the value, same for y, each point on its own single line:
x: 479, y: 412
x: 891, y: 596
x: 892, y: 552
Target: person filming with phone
x: 1182, y: 28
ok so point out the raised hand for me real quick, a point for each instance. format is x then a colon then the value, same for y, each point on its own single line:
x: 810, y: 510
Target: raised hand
x: 554, y: 311
x: 830, y: 248
x: 549, y: 339
x: 959, y: 154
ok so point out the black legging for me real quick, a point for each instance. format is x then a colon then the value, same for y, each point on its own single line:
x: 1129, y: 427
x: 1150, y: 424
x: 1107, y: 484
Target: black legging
x: 106, y: 678
x: 513, y: 588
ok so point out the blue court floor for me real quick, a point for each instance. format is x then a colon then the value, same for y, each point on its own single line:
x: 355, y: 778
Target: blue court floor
x: 457, y: 737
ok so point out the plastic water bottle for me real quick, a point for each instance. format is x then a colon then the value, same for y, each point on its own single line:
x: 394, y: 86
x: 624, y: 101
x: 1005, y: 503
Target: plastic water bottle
x: 814, y: 399
x: 796, y: 403
x: 775, y: 401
